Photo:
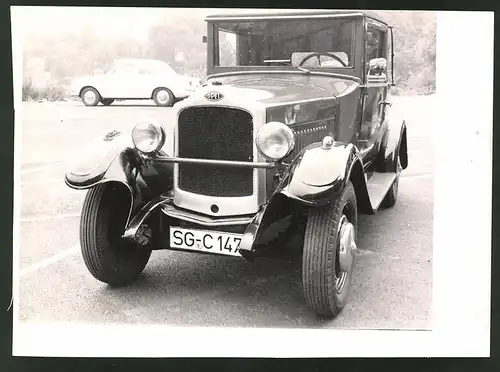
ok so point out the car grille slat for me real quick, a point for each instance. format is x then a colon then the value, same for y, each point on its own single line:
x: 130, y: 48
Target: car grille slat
x: 215, y: 133
x: 305, y: 135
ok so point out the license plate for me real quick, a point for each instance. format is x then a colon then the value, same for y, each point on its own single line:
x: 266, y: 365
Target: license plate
x: 205, y: 241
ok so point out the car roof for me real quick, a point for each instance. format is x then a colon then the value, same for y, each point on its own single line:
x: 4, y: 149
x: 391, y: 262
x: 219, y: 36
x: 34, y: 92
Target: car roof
x: 303, y: 14
x: 138, y: 60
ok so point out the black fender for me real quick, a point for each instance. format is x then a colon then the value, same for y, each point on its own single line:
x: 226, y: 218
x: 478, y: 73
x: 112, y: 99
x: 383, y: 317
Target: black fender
x: 394, y: 145
x: 317, y: 176
x: 112, y: 158
x: 277, y: 207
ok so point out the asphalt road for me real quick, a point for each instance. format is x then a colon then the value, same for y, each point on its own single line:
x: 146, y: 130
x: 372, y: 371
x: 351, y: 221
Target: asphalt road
x: 392, y: 285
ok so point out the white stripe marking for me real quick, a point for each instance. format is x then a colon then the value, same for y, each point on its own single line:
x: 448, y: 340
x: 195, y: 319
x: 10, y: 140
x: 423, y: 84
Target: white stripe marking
x: 48, y: 218
x: 39, y: 182
x: 49, y: 261
x: 42, y: 167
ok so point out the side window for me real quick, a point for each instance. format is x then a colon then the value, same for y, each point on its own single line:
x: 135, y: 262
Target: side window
x: 228, y: 46
x: 374, y: 44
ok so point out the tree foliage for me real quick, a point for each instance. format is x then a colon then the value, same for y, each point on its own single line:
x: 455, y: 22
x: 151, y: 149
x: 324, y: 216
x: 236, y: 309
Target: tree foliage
x: 180, y: 45
x: 52, y: 61
x: 414, y: 49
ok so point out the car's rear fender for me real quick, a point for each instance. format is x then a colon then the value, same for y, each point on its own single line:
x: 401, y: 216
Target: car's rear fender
x: 319, y: 175
x: 93, y: 86
x: 112, y: 158
x: 177, y: 87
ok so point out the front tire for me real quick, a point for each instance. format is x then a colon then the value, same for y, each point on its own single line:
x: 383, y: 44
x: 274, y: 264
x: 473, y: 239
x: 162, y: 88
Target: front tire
x: 163, y: 97
x: 328, y: 256
x: 108, y: 257
x: 90, y: 96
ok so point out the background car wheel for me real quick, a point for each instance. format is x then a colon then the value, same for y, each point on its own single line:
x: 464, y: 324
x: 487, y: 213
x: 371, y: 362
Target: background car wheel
x: 108, y: 257
x: 90, y: 96
x: 328, y: 256
x: 392, y: 195
x: 163, y: 97
x: 107, y: 101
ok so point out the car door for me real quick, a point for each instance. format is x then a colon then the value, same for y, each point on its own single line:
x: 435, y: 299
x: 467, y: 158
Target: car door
x: 144, y: 82
x: 376, y: 91
x: 115, y: 83
x: 122, y: 82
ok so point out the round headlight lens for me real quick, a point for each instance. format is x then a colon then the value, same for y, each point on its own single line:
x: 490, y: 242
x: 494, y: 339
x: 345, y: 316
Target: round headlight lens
x: 148, y: 136
x: 275, y: 140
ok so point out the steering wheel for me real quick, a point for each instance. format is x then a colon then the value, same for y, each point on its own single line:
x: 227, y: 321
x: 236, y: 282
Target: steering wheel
x: 319, y: 54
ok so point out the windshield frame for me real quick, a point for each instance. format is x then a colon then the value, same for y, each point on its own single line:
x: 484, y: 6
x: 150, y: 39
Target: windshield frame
x: 357, y: 46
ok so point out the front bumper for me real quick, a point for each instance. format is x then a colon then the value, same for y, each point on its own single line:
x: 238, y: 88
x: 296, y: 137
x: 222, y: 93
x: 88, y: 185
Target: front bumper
x: 249, y: 224
x: 172, y: 211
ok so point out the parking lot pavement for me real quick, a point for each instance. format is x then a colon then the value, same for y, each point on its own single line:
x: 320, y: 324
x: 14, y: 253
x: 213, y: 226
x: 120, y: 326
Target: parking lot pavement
x: 392, y: 281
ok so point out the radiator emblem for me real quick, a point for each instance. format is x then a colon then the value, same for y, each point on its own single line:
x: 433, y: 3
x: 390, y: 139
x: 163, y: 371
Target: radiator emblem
x: 214, y: 96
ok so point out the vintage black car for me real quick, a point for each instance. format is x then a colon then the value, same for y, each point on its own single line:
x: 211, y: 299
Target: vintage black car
x: 291, y: 133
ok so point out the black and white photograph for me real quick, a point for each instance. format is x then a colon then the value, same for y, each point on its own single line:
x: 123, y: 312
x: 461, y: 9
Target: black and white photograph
x: 296, y: 179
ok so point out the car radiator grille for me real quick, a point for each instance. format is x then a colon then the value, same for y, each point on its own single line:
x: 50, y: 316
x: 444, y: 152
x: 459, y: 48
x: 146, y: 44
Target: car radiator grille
x: 215, y: 133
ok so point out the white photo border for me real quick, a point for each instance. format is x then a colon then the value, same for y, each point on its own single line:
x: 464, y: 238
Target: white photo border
x: 462, y: 240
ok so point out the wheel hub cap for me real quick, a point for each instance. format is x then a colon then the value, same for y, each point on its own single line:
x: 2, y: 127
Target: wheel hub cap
x: 89, y: 96
x: 162, y: 96
x: 347, y: 245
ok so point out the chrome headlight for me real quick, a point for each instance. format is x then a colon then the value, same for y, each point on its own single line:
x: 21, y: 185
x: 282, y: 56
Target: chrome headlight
x: 148, y: 136
x: 275, y: 140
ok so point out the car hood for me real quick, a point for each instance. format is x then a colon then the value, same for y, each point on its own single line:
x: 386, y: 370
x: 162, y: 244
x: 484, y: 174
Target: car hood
x: 277, y: 89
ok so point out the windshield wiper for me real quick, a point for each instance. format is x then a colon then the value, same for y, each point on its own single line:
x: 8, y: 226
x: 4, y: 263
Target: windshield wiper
x: 287, y: 61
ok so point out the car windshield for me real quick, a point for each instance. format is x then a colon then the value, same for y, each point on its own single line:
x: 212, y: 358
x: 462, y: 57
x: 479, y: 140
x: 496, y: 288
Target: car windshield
x: 285, y: 42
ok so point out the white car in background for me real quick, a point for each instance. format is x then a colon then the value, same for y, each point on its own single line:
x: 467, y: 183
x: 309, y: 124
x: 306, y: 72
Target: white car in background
x: 134, y: 79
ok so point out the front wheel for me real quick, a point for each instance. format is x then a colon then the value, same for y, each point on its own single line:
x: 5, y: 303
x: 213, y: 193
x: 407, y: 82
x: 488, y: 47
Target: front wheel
x: 163, y: 97
x: 90, y: 96
x: 108, y: 257
x: 328, y: 256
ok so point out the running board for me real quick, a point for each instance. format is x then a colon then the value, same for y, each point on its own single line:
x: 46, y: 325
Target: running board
x: 378, y: 185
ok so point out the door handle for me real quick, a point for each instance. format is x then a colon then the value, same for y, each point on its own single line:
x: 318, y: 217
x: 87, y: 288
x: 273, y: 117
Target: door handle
x: 385, y: 103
